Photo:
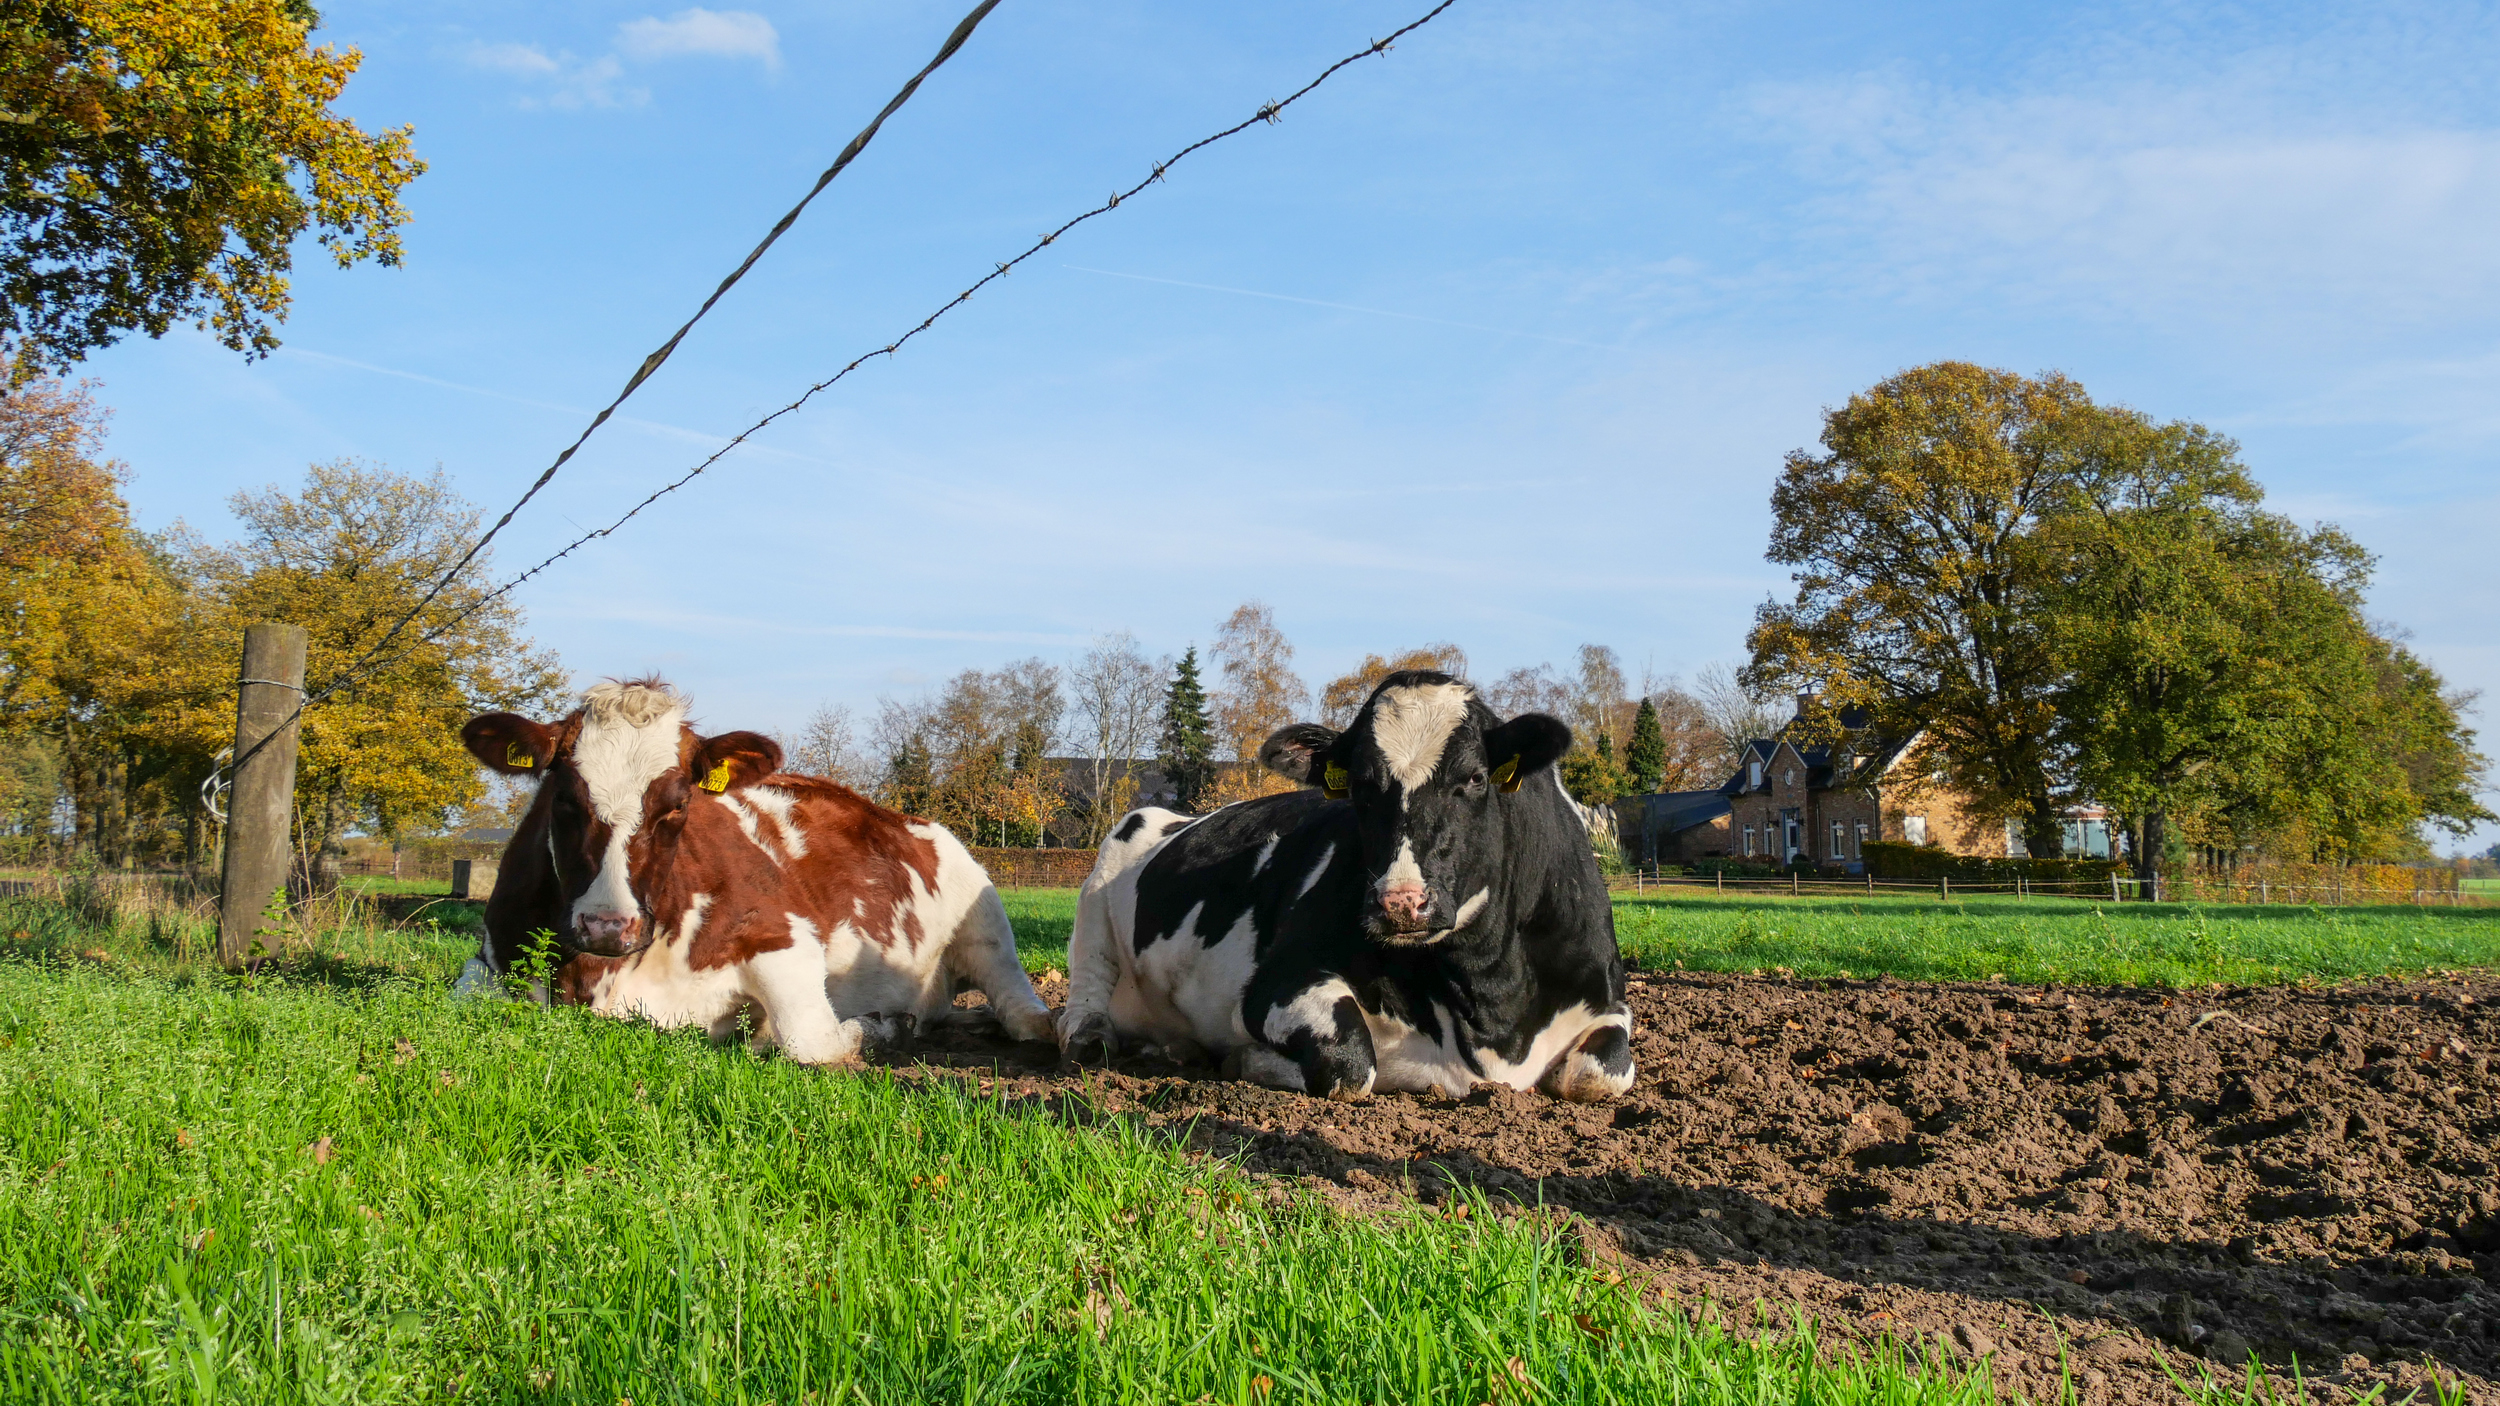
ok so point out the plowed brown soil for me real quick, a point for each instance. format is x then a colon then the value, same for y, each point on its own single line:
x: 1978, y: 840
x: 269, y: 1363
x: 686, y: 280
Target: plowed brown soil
x: 2120, y: 1176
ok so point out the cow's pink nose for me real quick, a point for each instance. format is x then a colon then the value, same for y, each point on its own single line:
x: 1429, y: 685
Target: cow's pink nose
x: 1405, y: 904
x: 607, y: 934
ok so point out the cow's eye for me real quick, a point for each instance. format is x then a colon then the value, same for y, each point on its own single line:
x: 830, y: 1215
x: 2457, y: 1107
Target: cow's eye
x: 1475, y: 780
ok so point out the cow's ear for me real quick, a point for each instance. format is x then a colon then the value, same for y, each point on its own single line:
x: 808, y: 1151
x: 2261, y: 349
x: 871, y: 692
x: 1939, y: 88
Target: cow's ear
x: 734, y: 759
x: 1294, y: 753
x: 1524, y: 746
x: 510, y: 743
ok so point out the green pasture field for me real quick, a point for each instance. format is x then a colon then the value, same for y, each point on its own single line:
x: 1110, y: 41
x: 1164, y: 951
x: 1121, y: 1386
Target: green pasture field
x: 2031, y: 940
x: 334, y: 1182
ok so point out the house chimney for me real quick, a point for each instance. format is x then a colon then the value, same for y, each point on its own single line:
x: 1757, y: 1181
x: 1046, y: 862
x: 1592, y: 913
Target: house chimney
x: 1805, y: 703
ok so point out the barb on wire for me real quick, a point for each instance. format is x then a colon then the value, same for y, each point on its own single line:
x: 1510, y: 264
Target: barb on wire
x: 1268, y: 112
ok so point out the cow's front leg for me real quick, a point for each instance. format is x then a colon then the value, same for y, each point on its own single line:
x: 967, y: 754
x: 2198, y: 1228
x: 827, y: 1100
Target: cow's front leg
x: 1317, y: 1027
x: 798, y: 1015
x: 1597, y: 1067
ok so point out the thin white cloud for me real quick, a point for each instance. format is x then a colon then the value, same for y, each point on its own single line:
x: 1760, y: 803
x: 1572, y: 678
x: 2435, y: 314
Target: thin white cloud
x: 512, y: 58
x: 559, y: 79
x: 563, y: 80
x: 724, y: 33
x: 2152, y: 205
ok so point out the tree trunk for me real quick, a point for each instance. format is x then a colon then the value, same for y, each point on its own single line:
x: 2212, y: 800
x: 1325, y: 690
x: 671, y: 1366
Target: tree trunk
x: 2148, y: 853
x: 2044, y: 830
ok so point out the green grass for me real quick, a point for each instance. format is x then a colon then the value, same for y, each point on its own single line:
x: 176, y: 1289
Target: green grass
x: 2042, y: 940
x: 2027, y: 940
x: 520, y: 1204
x: 515, y: 1204
x: 2489, y: 886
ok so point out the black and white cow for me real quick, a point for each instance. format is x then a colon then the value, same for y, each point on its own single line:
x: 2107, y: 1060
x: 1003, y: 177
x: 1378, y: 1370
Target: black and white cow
x: 1431, y: 916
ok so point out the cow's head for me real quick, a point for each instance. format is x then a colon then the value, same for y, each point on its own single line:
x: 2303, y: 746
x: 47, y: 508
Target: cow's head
x: 1428, y: 768
x: 614, y: 779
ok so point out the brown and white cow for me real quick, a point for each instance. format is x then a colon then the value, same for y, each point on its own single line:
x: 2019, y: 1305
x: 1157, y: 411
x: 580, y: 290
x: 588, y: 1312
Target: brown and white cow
x: 693, y: 882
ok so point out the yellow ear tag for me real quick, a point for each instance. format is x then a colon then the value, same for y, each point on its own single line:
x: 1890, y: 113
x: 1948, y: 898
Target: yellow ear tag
x: 1334, y: 782
x: 718, y: 780
x: 1507, y: 774
x: 514, y: 754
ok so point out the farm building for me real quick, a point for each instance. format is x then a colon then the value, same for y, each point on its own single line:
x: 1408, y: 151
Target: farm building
x: 1817, y: 792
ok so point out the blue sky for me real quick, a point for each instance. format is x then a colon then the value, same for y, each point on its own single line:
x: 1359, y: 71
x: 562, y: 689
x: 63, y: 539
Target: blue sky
x: 1499, y: 339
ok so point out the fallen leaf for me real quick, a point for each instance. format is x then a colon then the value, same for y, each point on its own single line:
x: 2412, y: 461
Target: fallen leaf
x: 402, y: 1051
x: 449, y: 1079
x: 181, y: 1138
x: 1262, y: 1383
x: 2077, y: 1276
x: 203, y: 1240
x: 1590, y: 1326
x: 321, y: 1153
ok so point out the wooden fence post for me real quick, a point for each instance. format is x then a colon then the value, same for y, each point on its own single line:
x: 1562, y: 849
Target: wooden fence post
x: 2113, y: 887
x: 1944, y: 888
x: 260, y: 809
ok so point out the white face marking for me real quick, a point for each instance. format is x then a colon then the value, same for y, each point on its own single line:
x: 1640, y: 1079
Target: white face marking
x: 1412, y: 727
x: 629, y: 739
x: 1467, y: 911
x: 1402, y: 868
x: 1315, y: 1010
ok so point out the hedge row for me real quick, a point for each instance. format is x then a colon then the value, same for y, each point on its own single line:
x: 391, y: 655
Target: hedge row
x: 1891, y: 859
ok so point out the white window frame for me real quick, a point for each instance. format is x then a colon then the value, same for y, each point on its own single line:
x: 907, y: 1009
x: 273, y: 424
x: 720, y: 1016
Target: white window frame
x: 1914, y: 829
x: 1839, y: 841
x: 1860, y: 852
x: 1757, y: 774
x: 1749, y: 842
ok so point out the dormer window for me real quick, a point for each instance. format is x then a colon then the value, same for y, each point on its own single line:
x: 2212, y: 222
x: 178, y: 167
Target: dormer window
x: 1789, y: 777
x: 1756, y: 783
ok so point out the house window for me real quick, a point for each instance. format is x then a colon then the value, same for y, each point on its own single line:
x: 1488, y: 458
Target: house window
x: 1914, y: 829
x: 1860, y: 852
x: 1835, y: 852
x: 1756, y: 782
x: 1789, y: 777
x: 1749, y: 842
x: 2014, y: 846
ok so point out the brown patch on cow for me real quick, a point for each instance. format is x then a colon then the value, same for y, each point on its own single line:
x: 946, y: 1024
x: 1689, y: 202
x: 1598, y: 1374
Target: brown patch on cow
x: 860, y: 868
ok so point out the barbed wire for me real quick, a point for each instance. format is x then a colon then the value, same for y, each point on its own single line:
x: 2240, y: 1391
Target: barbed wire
x: 357, y: 668
x: 1268, y: 113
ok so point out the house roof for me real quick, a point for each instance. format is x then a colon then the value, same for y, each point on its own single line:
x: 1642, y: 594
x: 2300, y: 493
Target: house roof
x: 1858, y: 757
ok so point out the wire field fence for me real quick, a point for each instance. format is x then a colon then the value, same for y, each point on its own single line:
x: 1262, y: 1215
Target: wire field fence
x: 2328, y: 887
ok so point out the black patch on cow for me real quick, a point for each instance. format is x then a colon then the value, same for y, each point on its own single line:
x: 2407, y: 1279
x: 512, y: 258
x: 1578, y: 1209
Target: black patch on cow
x: 1214, y: 861
x: 1612, y: 1049
x: 1338, y: 1060
x: 1128, y: 828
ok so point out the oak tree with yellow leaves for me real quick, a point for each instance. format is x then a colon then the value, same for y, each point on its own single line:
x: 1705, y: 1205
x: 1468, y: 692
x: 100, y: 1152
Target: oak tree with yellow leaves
x: 158, y: 159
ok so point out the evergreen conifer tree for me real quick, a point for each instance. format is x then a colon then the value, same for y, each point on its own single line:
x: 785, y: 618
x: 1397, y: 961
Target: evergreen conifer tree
x: 1188, y: 758
x: 1646, y: 758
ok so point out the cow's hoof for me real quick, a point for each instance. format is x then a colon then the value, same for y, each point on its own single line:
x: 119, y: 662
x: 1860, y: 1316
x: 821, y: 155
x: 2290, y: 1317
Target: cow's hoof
x: 1187, y: 1053
x: 1091, y: 1042
x: 888, y: 1036
x: 1031, y: 1027
x: 1597, y: 1070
